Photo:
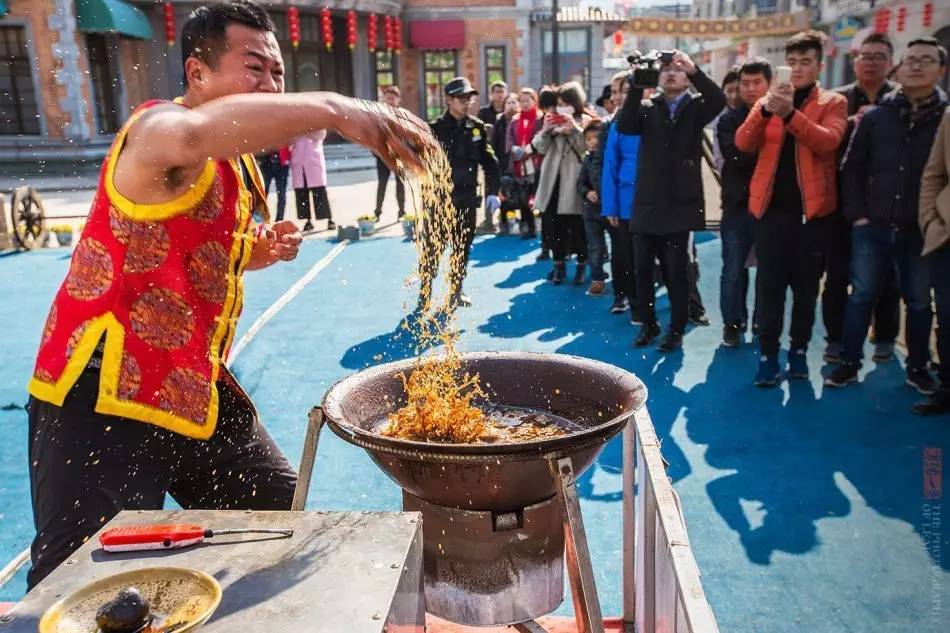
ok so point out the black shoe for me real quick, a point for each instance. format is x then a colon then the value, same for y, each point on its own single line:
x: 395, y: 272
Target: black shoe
x: 841, y: 375
x: 463, y: 301
x: 922, y: 381
x: 698, y: 318
x: 832, y: 354
x: 398, y: 215
x: 379, y: 214
x: 648, y: 334
x: 331, y: 225
x: 936, y: 404
x: 635, y: 318
x: 579, y: 274
x: 544, y: 256
x: 730, y: 336
x: 671, y: 342
x: 620, y: 305
x: 308, y: 226
x: 558, y: 274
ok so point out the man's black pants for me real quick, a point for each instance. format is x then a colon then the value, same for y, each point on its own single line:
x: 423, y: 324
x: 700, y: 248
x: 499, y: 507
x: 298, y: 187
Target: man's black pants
x: 382, y: 180
x: 789, y: 254
x: 621, y: 262
x: 85, y: 467
x: 459, y: 237
x: 673, y: 252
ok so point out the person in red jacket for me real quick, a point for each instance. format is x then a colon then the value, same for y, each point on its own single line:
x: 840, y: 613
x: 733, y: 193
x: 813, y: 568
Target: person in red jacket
x: 796, y: 130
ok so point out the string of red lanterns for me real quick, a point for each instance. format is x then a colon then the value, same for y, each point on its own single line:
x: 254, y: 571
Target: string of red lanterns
x: 397, y: 35
x: 388, y: 32
x: 351, y: 29
x: 371, y: 26
x: 169, y: 24
x: 293, y: 25
x: 928, y: 14
x: 327, y: 27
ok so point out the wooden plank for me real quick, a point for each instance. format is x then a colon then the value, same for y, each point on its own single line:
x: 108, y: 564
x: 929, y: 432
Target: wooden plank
x: 628, y: 578
x: 681, y: 625
x: 665, y: 581
x: 646, y: 524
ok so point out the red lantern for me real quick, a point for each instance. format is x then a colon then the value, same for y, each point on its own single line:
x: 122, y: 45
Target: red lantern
x: 618, y: 38
x: 293, y: 25
x: 351, y: 28
x: 371, y: 31
x: 326, y: 25
x: 388, y: 32
x: 901, y: 18
x: 882, y: 20
x: 928, y: 14
x: 397, y: 34
x: 169, y: 24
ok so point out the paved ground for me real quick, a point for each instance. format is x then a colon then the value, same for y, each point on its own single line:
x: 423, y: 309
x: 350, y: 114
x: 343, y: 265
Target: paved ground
x: 807, y: 508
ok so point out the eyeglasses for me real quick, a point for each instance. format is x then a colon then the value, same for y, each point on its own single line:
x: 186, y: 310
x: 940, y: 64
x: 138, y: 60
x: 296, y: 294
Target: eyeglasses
x: 922, y: 62
x: 877, y: 58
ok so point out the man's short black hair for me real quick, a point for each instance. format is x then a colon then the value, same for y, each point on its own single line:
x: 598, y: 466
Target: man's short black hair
x: 930, y: 41
x: 731, y: 77
x: 879, y: 38
x: 547, y: 97
x: 805, y: 41
x: 757, y: 66
x: 204, y: 34
x: 594, y: 125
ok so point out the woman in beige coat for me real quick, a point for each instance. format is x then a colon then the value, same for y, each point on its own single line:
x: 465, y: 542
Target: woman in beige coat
x: 561, y: 142
x: 935, y: 225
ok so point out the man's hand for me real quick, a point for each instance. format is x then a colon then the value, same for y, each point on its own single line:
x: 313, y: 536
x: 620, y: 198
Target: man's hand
x: 280, y: 242
x: 593, y: 197
x: 613, y: 220
x: 681, y: 61
x: 780, y: 100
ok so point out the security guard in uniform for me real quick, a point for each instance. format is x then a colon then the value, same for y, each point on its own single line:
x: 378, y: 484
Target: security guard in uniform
x: 465, y: 141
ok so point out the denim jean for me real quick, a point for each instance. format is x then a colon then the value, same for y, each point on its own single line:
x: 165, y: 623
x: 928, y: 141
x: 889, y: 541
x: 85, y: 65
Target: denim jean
x: 875, y: 249
x: 595, y: 228
x: 737, y: 234
x: 939, y: 264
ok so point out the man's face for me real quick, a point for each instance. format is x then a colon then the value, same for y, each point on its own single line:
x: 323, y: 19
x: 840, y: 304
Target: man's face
x: 872, y: 63
x: 752, y: 88
x: 498, y: 95
x: 732, y: 94
x: 805, y: 67
x: 391, y: 98
x: 673, y: 80
x: 920, y: 67
x: 251, y: 62
x: 458, y: 106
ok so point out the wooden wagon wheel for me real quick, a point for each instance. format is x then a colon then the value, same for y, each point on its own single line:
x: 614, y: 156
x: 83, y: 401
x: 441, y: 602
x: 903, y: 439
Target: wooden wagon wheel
x: 28, y: 218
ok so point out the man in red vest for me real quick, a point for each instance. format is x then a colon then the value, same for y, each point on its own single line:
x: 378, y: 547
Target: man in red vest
x: 130, y: 396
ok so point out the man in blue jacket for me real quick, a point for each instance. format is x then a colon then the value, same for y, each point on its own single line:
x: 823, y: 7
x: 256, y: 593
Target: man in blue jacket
x: 616, y: 201
x: 881, y: 175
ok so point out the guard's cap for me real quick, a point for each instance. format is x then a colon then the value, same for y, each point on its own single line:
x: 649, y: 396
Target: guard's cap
x: 459, y: 87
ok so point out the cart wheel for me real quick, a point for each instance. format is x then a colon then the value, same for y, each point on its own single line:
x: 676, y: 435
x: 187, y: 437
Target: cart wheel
x: 29, y: 218
x: 6, y: 233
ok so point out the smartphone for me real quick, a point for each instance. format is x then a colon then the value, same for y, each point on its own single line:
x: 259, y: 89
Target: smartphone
x: 783, y: 74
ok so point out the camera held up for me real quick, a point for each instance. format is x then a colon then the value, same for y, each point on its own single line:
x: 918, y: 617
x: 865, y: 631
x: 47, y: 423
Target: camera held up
x: 646, y: 68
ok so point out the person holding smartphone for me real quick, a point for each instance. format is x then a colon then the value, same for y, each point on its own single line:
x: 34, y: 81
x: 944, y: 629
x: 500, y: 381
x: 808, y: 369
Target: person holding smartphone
x: 796, y: 129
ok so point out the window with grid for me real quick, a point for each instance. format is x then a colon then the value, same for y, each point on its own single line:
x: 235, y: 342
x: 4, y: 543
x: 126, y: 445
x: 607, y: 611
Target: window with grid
x: 385, y: 71
x: 495, y: 65
x: 18, y: 98
x: 438, y: 67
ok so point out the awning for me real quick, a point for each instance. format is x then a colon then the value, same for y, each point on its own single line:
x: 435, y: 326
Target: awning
x: 3, y: 7
x: 437, y: 34
x: 112, y: 16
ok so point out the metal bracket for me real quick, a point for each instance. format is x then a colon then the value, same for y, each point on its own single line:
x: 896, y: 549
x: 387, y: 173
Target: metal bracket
x: 528, y: 627
x: 579, y: 567
x: 314, y: 425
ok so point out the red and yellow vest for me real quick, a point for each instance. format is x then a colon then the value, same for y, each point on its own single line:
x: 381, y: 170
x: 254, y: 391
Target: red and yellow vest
x: 163, y: 283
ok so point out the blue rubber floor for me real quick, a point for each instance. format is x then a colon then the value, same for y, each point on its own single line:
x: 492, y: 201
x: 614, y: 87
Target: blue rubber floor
x: 805, y: 507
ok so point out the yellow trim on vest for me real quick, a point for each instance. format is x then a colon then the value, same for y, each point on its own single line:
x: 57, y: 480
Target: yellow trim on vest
x: 107, y: 401
x: 160, y: 210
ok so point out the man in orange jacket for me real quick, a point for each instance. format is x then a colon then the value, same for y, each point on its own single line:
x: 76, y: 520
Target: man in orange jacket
x: 130, y: 396
x: 796, y: 130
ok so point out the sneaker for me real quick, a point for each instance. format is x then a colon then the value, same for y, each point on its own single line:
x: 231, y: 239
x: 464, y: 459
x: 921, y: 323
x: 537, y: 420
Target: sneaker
x: 331, y: 225
x: 768, y: 374
x: 308, y: 226
x: 698, y: 318
x: 883, y: 353
x: 730, y: 336
x: 557, y: 274
x: 832, y: 354
x: 620, y: 305
x: 843, y: 374
x: 648, y: 334
x: 934, y: 405
x: 671, y: 342
x: 635, y: 318
x: 596, y: 289
x: 579, y: 274
x: 922, y: 381
x: 797, y: 364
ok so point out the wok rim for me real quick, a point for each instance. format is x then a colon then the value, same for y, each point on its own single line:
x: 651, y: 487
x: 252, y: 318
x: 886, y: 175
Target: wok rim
x: 434, y: 451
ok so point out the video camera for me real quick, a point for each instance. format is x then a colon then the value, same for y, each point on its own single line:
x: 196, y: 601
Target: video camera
x: 646, y: 72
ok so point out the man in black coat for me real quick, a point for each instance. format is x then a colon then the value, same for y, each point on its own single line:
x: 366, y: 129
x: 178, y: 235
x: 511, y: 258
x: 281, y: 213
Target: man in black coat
x: 669, y: 199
